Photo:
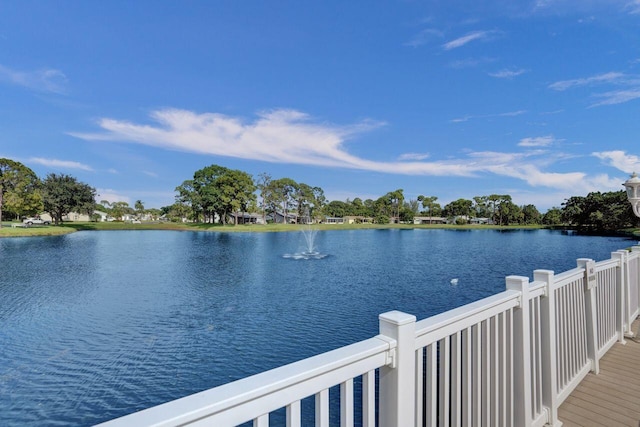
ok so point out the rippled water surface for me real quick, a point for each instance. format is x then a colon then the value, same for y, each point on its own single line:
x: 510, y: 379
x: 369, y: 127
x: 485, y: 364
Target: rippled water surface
x: 96, y: 325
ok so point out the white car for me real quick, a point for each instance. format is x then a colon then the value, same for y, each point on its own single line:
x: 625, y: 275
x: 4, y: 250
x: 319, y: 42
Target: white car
x: 31, y: 221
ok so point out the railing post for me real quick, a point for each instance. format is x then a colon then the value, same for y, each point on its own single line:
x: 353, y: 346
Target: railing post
x: 622, y: 294
x: 549, y: 348
x: 591, y: 313
x: 397, y: 380
x: 522, y: 352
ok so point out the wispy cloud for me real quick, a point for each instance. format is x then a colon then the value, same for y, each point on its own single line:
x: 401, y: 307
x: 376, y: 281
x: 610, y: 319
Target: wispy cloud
x: 60, y: 164
x: 628, y: 87
x: 508, y: 74
x: 468, y: 38
x: 424, y: 37
x: 289, y: 136
x: 488, y: 116
x: 539, y: 141
x: 616, y: 97
x: 610, y: 77
x: 620, y: 160
x: 151, y: 174
x: 413, y: 156
x: 45, y: 80
x: 633, y: 7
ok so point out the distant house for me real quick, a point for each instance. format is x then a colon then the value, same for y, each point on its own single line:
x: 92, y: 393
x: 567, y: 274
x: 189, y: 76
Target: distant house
x: 332, y: 220
x: 480, y: 221
x: 279, y: 218
x: 358, y: 220
x: 75, y: 216
x: 248, y: 218
x: 429, y: 220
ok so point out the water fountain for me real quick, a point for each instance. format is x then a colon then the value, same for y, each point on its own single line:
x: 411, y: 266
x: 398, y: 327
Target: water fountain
x: 309, y: 251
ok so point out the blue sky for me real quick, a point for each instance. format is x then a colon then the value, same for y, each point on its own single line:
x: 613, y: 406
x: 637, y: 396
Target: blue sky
x: 454, y: 99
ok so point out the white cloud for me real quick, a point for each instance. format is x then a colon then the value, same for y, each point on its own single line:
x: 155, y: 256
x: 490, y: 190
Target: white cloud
x: 423, y: 37
x: 489, y: 116
x: 617, y: 97
x: 60, y: 164
x: 508, y: 74
x: 620, y: 160
x: 288, y: 136
x: 633, y: 7
x: 46, y: 80
x: 151, y: 174
x: 461, y: 41
x: 539, y: 141
x: 413, y: 156
x: 610, y: 77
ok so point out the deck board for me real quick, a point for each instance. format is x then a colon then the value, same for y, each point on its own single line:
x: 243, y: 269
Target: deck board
x: 611, y: 398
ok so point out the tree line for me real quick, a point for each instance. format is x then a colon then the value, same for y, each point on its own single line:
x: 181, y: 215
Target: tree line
x: 22, y: 193
x: 220, y: 194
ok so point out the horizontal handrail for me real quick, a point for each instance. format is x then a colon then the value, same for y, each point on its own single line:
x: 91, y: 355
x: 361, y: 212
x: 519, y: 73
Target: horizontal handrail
x: 441, y: 325
x: 566, y: 277
x: 251, y: 397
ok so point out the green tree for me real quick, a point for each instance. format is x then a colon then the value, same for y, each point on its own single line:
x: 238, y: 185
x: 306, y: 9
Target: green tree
x: 599, y: 211
x: 481, y: 206
x: 120, y: 209
x: 188, y: 197
x: 17, y: 181
x: 62, y: 194
x: 429, y: 203
x: 460, y: 207
x: 266, y: 202
x: 553, y: 216
x: 139, y: 206
x: 220, y: 192
x: 531, y: 215
x: 284, y: 190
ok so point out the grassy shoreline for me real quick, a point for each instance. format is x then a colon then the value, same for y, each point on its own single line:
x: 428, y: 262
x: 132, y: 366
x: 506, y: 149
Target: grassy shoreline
x: 70, y: 227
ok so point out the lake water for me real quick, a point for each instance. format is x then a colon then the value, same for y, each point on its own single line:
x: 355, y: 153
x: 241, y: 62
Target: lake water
x: 96, y: 325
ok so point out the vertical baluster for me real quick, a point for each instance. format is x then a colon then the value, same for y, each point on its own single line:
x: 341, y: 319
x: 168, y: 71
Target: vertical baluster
x: 486, y: 372
x: 444, y: 360
x: 582, y: 331
x: 571, y: 335
x: 502, y: 340
x: 420, y: 387
x: 322, y: 408
x: 456, y: 381
x: 495, y: 370
x: 261, y: 421
x: 369, y: 399
x: 346, y: 403
x: 477, y: 375
x: 563, y: 337
x: 467, y: 379
x: 510, y: 372
x: 293, y: 414
x: 431, y: 398
x: 534, y: 352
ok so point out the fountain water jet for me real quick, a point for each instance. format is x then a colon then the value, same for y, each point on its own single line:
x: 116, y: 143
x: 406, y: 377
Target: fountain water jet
x: 309, y: 252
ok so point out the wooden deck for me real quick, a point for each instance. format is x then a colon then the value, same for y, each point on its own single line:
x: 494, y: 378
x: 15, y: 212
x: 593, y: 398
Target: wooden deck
x: 611, y: 398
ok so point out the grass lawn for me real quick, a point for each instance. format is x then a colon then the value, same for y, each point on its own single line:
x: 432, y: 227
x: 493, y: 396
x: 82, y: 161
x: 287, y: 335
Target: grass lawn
x: 70, y: 227
x: 36, y: 230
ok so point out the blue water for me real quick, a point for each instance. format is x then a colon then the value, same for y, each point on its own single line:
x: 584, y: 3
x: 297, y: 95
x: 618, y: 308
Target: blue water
x: 96, y: 325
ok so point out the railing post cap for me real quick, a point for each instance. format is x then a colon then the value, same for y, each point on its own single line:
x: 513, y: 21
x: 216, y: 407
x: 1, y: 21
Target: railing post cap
x: 398, y: 318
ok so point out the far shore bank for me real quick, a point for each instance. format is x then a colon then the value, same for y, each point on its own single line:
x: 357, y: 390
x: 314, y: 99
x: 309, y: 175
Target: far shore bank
x: 69, y: 227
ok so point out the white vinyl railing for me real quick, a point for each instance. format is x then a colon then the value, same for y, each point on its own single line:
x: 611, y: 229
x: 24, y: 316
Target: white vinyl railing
x: 507, y: 360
